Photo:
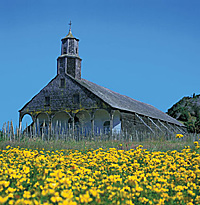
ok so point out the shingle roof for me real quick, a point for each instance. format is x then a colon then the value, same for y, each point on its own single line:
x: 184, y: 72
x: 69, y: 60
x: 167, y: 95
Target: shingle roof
x: 125, y: 103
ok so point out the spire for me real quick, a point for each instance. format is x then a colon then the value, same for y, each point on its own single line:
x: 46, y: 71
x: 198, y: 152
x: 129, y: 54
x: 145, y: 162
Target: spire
x: 69, y: 35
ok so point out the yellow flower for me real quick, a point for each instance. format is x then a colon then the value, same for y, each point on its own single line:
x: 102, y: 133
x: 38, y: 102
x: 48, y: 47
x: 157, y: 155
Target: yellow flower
x: 10, y: 189
x: 105, y: 176
x: 196, y: 144
x: 10, y: 195
x: 94, y: 192
x: 26, y: 169
x: 44, y: 192
x: 36, y: 202
x: 191, y: 192
x: 67, y: 194
x: 85, y: 198
x: 179, y: 135
x: 55, y: 199
x: 11, y: 202
x: 5, y: 183
x: 67, y: 202
x: 27, y: 194
x: 3, y: 199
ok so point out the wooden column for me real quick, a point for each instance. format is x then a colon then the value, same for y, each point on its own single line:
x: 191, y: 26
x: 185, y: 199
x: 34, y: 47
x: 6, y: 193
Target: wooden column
x: 20, y: 122
x: 73, y: 127
x: 92, y: 122
x: 111, y: 122
x: 49, y: 128
x: 20, y: 125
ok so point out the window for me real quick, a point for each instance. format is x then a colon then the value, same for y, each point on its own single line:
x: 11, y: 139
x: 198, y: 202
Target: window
x: 62, y: 82
x: 64, y: 50
x: 47, y: 100
x: 76, y: 98
x: 76, y: 50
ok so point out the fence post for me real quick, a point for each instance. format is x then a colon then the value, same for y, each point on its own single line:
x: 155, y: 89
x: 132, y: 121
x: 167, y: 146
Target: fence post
x: 111, y: 124
x: 38, y: 127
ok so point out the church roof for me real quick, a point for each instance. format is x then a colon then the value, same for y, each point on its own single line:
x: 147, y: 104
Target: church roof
x: 125, y: 103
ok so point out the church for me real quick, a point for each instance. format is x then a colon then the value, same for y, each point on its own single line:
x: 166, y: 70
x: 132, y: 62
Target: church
x: 70, y: 102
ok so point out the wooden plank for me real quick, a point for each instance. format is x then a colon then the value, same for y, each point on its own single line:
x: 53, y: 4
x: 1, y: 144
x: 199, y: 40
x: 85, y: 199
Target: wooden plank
x: 165, y: 127
x: 155, y: 124
x: 144, y: 122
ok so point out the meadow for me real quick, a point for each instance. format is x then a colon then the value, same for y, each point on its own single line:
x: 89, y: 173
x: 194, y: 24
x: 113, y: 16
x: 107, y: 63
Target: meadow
x: 94, y: 172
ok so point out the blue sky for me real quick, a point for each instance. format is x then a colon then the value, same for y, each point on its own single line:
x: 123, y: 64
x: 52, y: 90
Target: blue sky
x: 145, y: 49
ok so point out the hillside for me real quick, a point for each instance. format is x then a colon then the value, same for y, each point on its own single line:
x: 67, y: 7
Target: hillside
x: 187, y: 111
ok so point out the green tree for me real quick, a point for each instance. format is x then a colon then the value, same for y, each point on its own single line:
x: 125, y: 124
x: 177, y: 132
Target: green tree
x: 184, y: 115
x: 197, y: 124
x: 190, y: 124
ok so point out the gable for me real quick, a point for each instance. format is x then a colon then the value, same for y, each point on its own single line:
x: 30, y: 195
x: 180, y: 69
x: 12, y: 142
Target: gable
x: 62, y: 93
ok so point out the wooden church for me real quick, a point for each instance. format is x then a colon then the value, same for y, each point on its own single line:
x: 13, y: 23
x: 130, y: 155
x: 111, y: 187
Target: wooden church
x: 71, y: 102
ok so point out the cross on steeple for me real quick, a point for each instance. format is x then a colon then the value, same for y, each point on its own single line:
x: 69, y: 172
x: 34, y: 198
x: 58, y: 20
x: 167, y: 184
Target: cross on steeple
x: 70, y: 25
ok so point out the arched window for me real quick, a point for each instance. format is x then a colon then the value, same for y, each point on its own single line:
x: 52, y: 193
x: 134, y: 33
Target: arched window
x: 106, y: 127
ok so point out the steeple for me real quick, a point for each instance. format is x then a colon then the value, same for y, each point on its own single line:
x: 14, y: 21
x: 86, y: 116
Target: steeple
x: 69, y: 35
x: 69, y: 61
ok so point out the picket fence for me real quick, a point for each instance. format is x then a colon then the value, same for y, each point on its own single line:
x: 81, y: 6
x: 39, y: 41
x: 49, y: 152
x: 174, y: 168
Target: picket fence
x: 78, y: 133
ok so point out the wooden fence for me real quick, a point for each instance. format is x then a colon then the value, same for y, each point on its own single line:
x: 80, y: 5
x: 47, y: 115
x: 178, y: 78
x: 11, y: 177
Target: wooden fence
x: 47, y: 133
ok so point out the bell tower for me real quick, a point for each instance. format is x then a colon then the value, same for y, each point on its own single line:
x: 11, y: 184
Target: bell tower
x: 69, y: 61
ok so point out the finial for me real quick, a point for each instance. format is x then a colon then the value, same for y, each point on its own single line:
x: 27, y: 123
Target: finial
x: 69, y: 35
x: 70, y: 25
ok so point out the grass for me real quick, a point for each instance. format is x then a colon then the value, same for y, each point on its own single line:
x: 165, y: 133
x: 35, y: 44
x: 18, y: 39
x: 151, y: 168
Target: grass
x: 149, y: 144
